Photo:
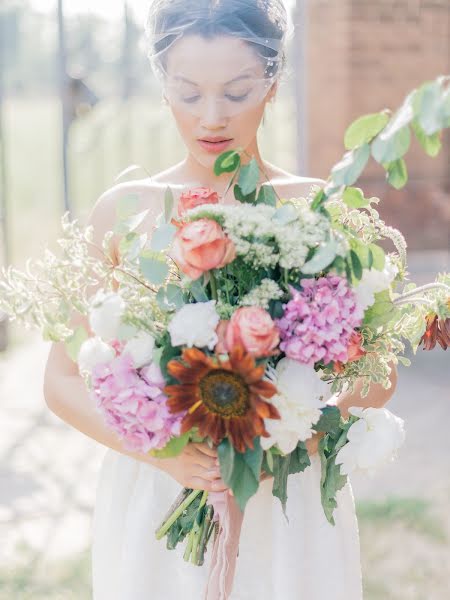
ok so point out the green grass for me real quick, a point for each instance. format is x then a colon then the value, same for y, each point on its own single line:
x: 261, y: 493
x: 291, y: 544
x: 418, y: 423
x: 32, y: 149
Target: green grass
x: 62, y: 580
x: 413, y: 513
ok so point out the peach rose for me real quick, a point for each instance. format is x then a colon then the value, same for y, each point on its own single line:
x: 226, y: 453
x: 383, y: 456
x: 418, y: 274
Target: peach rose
x: 253, y: 327
x: 196, y: 197
x: 200, y: 246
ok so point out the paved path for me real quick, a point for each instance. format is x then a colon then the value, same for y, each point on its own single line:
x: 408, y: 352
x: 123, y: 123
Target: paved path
x: 48, y: 470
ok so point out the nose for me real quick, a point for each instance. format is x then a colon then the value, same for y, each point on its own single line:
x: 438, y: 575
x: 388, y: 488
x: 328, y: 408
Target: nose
x: 213, y: 113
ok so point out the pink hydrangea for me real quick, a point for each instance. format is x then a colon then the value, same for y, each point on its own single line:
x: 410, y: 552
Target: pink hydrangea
x: 133, y: 404
x: 319, y: 320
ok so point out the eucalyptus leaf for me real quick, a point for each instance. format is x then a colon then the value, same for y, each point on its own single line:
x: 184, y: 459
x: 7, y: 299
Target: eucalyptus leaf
x: 285, y: 214
x: 323, y: 257
x: 267, y: 196
x: 348, y: 170
x: 131, y: 223
x: 198, y: 291
x: 388, y: 147
x: 364, y: 129
x: 249, y: 177
x: 169, y: 202
x: 162, y: 237
x: 154, y: 268
x: 430, y: 107
x: 246, y: 198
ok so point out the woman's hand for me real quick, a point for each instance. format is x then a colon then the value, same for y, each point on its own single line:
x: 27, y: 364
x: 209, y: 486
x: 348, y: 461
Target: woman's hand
x: 196, y: 467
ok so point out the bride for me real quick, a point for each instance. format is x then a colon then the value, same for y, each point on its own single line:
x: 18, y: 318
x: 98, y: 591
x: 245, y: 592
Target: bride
x: 219, y: 63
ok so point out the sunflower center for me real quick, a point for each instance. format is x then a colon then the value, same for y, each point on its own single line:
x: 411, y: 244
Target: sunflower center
x: 225, y: 393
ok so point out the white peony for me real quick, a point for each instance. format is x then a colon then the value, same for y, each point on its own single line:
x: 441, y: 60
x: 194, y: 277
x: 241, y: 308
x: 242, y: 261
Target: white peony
x: 373, y: 440
x: 374, y: 281
x: 141, y: 348
x: 105, y: 315
x: 301, y: 395
x: 195, y: 325
x: 93, y: 352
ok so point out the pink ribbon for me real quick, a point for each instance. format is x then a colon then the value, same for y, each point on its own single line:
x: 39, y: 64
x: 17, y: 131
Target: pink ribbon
x: 226, y: 545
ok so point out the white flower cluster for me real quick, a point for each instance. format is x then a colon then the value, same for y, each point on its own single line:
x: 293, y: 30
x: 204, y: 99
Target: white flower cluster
x: 262, y: 294
x: 374, y: 281
x: 301, y: 394
x: 265, y: 242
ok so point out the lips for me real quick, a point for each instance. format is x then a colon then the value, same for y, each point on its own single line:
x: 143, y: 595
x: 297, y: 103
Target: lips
x: 214, y: 145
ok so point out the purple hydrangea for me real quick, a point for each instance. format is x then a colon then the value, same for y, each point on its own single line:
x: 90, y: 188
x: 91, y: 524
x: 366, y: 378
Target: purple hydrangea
x: 133, y: 404
x: 319, y: 320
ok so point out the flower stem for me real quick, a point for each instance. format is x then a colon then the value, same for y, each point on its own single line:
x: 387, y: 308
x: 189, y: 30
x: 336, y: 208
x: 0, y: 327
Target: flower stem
x: 168, y: 524
x: 213, y: 283
x: 423, y: 288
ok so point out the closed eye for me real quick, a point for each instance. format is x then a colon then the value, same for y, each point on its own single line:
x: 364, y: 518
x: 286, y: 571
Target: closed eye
x: 237, y: 98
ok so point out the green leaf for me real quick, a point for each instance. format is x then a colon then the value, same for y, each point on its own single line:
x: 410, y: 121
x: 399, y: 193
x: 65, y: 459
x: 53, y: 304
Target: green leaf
x: 389, y: 146
x: 247, y: 199
x: 249, y: 177
x: 354, y: 198
x: 347, y: 171
x: 131, y: 245
x: 74, y: 343
x: 332, y: 483
x: 321, y: 196
x: 131, y: 223
x: 169, y: 202
x: 432, y: 144
x: 168, y: 353
x: 154, y: 268
x: 162, y: 237
x: 429, y: 106
x: 241, y: 471
x: 323, y: 257
x: 382, y: 312
x: 267, y: 196
x: 356, y: 265
x: 285, y: 214
x: 170, y: 298
x: 397, y: 174
x: 127, y: 206
x: 299, y: 459
x: 379, y: 257
x: 197, y: 290
x: 364, y: 129
x: 280, y: 479
x: 173, y: 448
x: 329, y: 420
x: 227, y: 162
x: 363, y: 251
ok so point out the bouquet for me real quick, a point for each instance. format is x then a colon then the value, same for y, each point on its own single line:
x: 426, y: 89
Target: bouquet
x: 239, y: 326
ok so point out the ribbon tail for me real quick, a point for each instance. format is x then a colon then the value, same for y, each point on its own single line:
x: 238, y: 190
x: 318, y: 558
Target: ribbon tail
x: 226, y: 546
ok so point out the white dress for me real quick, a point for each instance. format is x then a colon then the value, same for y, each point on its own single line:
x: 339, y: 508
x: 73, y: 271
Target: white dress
x: 307, y: 559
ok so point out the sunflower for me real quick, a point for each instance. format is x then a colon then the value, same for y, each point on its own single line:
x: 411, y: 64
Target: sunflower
x: 223, y: 398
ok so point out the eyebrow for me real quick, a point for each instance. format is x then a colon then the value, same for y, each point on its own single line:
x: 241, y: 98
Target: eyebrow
x: 239, y: 78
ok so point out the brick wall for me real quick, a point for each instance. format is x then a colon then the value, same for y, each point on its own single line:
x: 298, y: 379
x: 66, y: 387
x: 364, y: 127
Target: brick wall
x: 363, y: 56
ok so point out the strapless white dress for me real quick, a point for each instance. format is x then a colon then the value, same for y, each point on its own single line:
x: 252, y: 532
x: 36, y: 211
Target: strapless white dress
x: 307, y: 559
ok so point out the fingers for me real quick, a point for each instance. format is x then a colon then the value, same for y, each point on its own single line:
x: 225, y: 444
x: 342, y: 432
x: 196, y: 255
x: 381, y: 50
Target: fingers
x: 205, y: 449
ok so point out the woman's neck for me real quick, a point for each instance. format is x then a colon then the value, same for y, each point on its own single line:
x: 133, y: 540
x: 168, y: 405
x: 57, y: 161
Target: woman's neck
x: 192, y: 171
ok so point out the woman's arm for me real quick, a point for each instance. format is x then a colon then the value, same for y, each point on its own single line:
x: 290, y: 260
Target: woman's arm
x: 377, y: 397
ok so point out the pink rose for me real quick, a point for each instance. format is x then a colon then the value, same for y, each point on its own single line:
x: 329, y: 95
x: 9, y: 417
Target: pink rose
x: 200, y: 246
x: 253, y: 327
x: 196, y: 197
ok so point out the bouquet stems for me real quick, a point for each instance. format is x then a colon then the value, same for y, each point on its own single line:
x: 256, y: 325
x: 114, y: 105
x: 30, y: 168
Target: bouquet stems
x: 189, y: 516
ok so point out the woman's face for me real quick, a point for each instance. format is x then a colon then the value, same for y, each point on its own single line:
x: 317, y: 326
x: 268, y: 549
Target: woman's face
x: 216, y: 89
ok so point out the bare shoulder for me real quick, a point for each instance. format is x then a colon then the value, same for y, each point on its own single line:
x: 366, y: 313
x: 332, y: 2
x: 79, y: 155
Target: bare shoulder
x: 289, y: 185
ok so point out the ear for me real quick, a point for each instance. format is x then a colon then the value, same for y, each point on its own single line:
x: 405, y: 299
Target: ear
x: 272, y: 92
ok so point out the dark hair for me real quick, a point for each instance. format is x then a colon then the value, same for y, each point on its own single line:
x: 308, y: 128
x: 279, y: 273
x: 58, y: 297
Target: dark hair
x: 253, y: 19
